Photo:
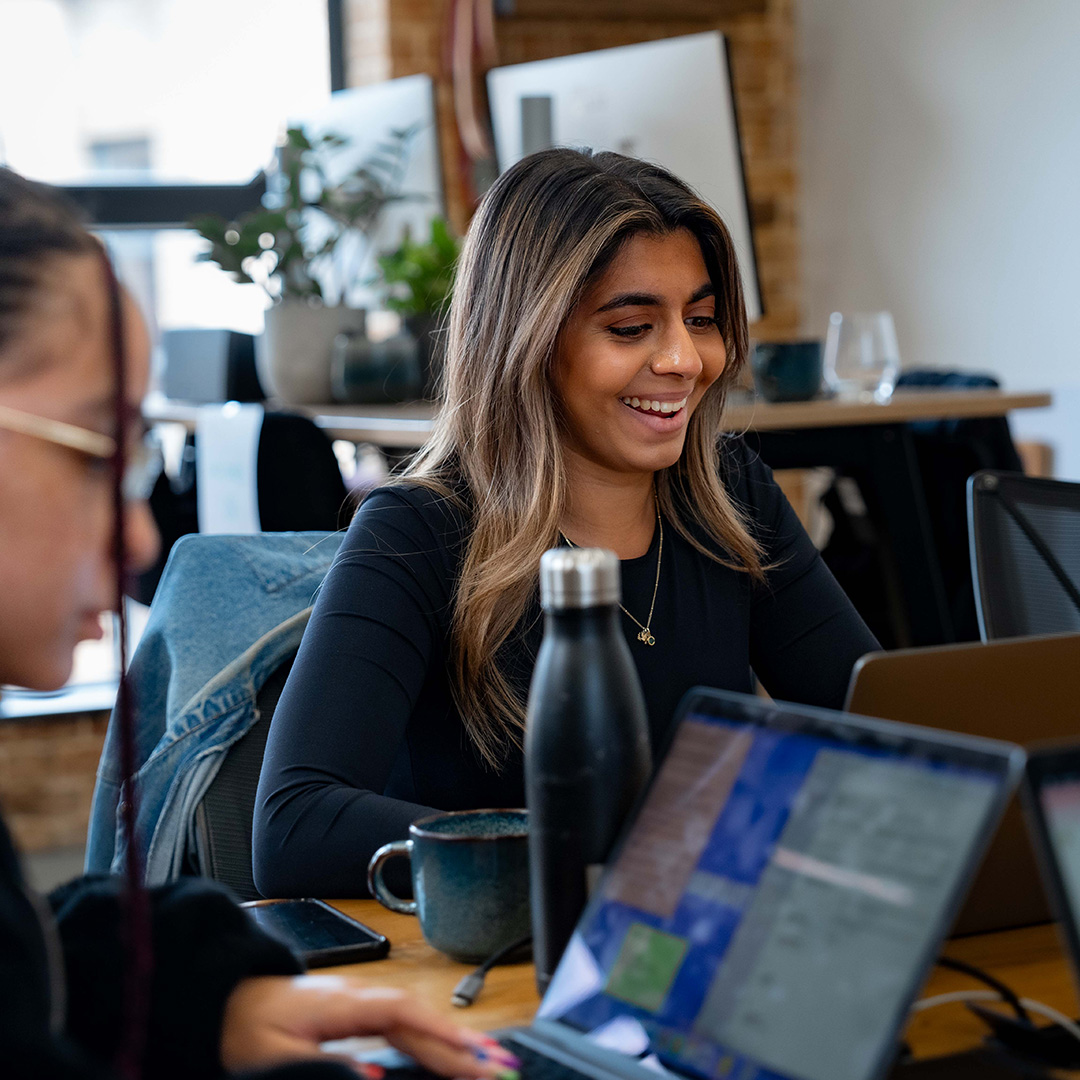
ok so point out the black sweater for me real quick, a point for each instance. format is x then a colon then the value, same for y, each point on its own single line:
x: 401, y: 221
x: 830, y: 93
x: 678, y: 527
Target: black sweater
x: 366, y: 736
x: 61, y: 1016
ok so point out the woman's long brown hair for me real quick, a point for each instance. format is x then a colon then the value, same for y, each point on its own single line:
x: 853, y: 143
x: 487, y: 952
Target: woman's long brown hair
x: 545, y: 231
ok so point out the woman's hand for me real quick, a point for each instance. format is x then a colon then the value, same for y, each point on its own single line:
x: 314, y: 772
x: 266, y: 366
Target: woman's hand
x: 275, y: 1020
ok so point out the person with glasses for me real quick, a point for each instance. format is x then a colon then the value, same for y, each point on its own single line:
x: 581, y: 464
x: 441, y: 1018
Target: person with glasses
x: 105, y: 980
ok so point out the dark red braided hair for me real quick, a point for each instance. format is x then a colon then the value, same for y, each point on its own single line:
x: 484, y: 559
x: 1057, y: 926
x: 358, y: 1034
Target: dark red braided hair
x: 136, y: 900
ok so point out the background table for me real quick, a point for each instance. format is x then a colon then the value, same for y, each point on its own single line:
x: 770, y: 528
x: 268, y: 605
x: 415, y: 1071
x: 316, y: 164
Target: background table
x: 870, y: 440
x: 1028, y: 960
x: 406, y: 426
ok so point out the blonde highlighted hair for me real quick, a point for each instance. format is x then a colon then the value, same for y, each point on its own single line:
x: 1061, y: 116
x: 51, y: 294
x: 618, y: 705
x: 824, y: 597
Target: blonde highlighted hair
x: 544, y: 232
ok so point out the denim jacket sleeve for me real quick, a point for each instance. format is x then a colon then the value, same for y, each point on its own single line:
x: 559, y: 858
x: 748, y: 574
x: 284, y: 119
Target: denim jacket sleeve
x: 228, y: 611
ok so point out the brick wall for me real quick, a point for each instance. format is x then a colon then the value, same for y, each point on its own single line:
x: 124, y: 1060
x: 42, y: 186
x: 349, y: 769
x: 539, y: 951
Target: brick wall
x: 367, y: 41
x: 47, y: 769
x: 413, y: 35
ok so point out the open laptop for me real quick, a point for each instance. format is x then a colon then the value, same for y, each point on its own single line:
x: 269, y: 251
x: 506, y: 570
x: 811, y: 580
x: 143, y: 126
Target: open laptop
x: 774, y: 908
x: 1052, y: 799
x: 1023, y: 690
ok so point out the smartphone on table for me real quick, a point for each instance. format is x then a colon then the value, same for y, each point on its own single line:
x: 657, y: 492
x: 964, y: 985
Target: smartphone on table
x: 319, y: 934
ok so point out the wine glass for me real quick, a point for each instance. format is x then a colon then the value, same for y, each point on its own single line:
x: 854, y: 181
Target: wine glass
x: 861, y: 360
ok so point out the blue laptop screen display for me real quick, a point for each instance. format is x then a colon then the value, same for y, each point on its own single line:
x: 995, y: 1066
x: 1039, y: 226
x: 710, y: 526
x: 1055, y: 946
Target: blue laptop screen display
x: 769, y: 914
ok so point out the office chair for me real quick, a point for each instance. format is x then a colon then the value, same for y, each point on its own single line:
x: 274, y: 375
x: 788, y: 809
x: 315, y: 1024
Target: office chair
x: 300, y: 489
x: 1025, y: 554
x: 226, y: 622
x: 220, y: 844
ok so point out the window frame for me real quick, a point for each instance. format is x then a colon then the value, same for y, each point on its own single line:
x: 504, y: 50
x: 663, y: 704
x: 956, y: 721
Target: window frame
x: 169, y: 206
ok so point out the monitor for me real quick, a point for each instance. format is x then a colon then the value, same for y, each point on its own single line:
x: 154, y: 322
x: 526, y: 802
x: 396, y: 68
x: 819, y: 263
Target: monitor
x: 667, y: 101
x: 365, y: 116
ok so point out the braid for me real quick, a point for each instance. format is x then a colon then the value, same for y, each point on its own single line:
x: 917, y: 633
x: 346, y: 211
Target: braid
x: 36, y: 223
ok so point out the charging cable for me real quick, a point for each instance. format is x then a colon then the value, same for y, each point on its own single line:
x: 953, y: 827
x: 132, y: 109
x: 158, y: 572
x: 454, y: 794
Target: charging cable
x: 468, y: 990
x: 1000, y: 989
x: 1048, y: 1011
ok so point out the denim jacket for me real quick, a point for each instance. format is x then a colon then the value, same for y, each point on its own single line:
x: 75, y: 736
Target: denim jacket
x: 228, y: 611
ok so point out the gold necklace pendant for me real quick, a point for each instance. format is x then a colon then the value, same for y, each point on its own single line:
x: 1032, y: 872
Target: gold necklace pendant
x: 644, y: 634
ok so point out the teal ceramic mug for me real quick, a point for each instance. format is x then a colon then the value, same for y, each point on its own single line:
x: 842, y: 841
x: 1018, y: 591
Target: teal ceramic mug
x: 470, y: 878
x: 787, y: 370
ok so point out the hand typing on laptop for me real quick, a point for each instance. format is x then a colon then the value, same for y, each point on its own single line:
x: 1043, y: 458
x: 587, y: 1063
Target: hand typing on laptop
x: 270, y: 1021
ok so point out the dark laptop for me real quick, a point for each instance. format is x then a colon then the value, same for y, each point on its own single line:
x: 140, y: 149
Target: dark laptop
x: 1022, y: 690
x: 1051, y: 797
x: 777, y: 902
x: 1052, y: 800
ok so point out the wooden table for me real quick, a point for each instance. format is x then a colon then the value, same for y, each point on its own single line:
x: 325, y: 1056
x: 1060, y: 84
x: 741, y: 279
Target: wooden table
x: 870, y: 441
x: 1029, y: 960
x: 407, y: 426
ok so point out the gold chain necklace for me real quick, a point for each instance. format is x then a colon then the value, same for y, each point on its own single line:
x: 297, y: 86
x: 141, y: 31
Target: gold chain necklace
x: 644, y: 634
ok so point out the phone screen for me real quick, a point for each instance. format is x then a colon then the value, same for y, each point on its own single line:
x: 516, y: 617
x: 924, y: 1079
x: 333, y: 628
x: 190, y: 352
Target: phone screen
x: 310, y: 927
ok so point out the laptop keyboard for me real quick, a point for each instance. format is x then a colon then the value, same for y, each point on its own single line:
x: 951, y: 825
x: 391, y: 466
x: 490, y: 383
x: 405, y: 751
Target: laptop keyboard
x: 536, y: 1066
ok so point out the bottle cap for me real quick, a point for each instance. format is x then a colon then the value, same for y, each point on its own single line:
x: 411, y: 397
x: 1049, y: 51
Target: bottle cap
x: 578, y: 578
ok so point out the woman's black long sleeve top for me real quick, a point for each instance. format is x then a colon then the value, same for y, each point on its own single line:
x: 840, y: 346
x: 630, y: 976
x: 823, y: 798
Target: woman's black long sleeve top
x: 366, y: 736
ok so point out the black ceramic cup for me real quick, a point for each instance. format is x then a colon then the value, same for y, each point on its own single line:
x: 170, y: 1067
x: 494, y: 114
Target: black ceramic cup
x: 787, y: 370
x: 470, y: 878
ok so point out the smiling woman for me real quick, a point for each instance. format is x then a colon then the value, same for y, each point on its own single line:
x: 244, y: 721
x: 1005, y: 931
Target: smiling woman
x: 596, y: 325
x: 632, y: 364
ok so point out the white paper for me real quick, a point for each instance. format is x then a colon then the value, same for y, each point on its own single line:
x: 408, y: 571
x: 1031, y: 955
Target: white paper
x: 226, y: 457
x: 576, y: 979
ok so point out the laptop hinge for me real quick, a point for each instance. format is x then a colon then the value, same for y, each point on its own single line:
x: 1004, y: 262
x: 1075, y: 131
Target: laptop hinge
x: 575, y: 1050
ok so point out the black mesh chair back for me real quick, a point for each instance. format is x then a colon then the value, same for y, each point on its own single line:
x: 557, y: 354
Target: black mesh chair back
x: 1025, y: 554
x: 221, y: 842
x: 299, y: 483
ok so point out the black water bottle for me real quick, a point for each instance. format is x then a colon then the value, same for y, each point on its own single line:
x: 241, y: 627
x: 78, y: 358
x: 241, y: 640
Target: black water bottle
x: 587, y: 753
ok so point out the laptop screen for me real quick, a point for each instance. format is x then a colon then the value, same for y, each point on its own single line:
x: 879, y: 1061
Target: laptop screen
x: 1059, y: 801
x: 773, y: 909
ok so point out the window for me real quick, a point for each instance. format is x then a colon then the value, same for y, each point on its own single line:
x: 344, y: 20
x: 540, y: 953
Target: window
x: 165, y: 90
x: 150, y: 111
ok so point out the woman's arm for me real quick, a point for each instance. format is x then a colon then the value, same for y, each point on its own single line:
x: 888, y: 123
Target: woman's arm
x: 805, y: 634
x: 225, y: 997
x: 378, y: 626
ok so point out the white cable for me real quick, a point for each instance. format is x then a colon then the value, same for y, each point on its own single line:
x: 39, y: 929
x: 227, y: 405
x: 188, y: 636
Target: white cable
x: 956, y: 995
x: 992, y: 995
x: 1052, y: 1014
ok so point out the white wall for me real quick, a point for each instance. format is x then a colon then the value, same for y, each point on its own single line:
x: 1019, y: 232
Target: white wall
x: 941, y: 180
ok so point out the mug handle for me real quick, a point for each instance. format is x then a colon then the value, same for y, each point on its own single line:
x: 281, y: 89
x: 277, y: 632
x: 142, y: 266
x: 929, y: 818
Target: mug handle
x: 375, y: 882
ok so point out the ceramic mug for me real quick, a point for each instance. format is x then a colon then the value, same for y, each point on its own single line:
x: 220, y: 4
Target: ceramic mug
x: 787, y: 370
x: 470, y: 878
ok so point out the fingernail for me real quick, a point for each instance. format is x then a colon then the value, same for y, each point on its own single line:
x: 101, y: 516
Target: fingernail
x: 508, y: 1074
x: 371, y: 1071
x: 497, y: 1053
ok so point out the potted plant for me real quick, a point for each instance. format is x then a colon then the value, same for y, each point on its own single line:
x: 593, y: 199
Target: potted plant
x: 417, y: 279
x: 305, y: 246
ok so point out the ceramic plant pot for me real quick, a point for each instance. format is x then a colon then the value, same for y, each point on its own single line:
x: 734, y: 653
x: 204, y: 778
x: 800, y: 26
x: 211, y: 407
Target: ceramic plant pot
x: 293, y: 354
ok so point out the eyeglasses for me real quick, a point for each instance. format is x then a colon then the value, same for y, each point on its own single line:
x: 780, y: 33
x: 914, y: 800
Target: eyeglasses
x: 141, y: 469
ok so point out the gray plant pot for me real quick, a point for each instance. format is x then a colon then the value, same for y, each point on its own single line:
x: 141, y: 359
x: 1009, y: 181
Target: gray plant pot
x: 293, y: 355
